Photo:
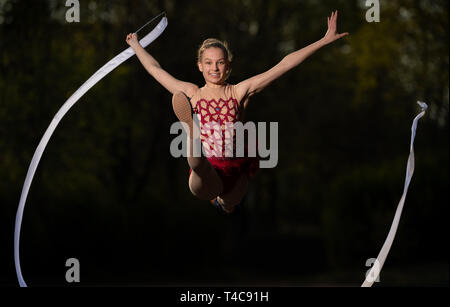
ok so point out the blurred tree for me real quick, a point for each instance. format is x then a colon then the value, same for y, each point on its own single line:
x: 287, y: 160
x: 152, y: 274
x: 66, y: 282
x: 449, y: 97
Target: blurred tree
x: 107, y: 188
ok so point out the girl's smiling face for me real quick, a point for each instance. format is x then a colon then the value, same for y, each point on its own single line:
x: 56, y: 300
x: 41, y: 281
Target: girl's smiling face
x: 214, y: 66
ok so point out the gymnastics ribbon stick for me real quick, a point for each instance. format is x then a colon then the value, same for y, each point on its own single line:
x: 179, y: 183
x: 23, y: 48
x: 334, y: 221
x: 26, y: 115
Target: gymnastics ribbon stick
x: 97, y: 76
x: 374, y: 272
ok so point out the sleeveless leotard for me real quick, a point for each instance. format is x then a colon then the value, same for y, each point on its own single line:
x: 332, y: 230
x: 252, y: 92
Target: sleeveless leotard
x: 217, y: 109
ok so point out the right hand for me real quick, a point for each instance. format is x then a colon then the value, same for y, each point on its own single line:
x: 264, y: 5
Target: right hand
x: 132, y: 39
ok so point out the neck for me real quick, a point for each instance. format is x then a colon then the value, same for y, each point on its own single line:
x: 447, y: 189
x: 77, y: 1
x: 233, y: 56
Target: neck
x: 214, y: 85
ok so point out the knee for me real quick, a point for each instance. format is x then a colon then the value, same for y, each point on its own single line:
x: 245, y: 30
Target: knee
x: 203, y: 192
x: 197, y: 164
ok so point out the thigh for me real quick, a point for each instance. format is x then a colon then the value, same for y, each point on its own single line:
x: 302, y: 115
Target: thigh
x: 238, y: 192
x: 208, y: 185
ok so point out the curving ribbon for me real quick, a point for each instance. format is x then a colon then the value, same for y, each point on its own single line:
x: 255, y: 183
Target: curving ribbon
x: 97, y: 76
x: 374, y: 272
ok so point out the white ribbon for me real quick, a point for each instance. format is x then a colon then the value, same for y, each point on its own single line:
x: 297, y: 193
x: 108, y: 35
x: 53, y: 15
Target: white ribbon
x: 99, y: 74
x: 374, y: 272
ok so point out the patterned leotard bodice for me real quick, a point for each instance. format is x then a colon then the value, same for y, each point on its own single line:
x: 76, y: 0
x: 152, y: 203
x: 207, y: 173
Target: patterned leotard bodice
x: 217, y: 110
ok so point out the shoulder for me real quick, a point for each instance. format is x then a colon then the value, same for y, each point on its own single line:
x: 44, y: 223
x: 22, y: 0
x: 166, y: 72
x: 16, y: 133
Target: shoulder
x: 231, y: 90
x: 238, y: 92
x: 192, y: 90
x: 194, y: 95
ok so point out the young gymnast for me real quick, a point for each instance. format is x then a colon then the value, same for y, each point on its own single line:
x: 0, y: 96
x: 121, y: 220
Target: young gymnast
x: 216, y: 176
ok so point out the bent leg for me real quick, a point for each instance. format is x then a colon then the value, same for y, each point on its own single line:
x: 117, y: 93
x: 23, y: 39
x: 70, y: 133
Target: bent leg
x: 204, y: 182
x: 232, y: 198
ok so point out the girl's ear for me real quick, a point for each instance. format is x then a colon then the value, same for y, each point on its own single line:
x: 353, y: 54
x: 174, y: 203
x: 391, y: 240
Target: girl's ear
x: 200, y: 66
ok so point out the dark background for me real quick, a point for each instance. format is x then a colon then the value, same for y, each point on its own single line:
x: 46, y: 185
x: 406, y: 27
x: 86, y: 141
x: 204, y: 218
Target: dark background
x: 108, y: 192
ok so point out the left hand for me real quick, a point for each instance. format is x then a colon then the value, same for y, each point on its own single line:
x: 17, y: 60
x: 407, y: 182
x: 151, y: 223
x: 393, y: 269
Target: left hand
x: 332, y: 33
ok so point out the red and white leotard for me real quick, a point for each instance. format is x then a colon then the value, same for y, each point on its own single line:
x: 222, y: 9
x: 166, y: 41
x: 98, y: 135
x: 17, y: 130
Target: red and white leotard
x: 217, y: 109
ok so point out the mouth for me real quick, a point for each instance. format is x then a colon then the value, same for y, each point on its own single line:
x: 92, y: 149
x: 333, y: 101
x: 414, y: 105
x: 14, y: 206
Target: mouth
x: 215, y: 75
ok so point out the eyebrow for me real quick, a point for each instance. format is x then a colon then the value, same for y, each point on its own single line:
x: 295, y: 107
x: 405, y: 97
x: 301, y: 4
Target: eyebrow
x: 208, y: 59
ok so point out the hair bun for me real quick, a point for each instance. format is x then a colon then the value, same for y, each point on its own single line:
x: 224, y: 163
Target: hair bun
x: 214, y: 42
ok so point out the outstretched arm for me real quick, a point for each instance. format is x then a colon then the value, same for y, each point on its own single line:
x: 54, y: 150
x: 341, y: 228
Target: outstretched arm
x: 172, y: 84
x: 257, y: 83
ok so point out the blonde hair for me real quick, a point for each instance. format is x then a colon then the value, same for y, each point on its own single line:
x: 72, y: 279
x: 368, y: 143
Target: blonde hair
x: 214, y: 42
